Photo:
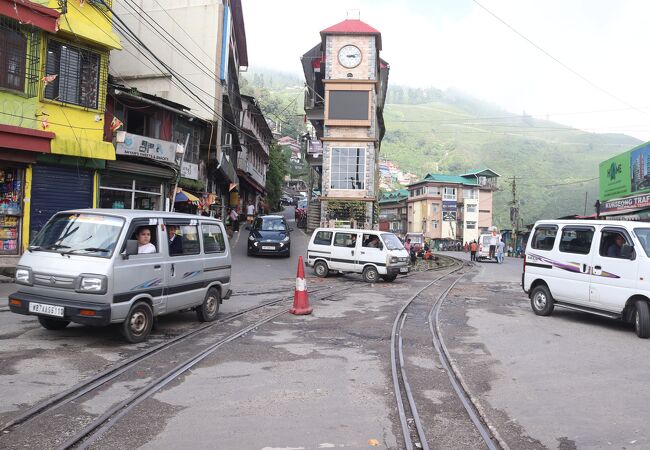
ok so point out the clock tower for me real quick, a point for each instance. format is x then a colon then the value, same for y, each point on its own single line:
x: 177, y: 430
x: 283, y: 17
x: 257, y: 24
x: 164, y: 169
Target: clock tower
x: 350, y: 78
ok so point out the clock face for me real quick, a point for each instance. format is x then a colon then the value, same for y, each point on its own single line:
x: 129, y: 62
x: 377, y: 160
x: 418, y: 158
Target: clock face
x: 350, y: 56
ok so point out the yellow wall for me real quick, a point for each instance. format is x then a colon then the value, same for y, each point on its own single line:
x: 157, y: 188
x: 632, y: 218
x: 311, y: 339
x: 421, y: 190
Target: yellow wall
x: 26, y: 207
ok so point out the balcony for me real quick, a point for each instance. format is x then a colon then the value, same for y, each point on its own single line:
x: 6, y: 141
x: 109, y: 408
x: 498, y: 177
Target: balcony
x: 247, y: 167
x: 248, y: 124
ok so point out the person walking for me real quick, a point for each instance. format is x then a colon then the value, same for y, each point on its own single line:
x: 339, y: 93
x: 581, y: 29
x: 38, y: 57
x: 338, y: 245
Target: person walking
x: 501, y: 247
x: 234, y: 219
x: 473, y: 246
x: 250, y: 212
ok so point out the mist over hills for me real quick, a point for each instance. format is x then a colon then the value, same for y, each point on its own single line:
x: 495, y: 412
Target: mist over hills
x: 447, y: 131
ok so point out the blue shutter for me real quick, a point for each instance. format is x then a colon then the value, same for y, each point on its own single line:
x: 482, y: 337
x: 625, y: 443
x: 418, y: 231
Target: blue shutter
x: 56, y: 189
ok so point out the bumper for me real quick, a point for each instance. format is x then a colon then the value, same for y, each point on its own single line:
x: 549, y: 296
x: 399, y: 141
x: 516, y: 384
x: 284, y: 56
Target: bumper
x: 228, y: 294
x: 397, y: 270
x: 71, y: 309
x: 277, y: 250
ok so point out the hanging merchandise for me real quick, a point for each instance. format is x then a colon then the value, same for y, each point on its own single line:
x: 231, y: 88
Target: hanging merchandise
x: 11, y: 188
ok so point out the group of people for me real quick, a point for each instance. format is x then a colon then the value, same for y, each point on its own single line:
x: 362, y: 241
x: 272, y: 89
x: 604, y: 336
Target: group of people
x: 232, y: 215
x: 497, y: 250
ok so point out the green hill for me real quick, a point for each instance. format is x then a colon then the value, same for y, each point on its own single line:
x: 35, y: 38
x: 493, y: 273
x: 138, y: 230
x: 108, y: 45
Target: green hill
x: 430, y: 130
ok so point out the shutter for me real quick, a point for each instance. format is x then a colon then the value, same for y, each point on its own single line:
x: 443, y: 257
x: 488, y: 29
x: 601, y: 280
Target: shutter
x: 151, y: 170
x: 56, y: 189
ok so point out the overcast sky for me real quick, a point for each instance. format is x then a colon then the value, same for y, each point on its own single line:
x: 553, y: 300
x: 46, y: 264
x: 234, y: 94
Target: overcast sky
x: 456, y: 43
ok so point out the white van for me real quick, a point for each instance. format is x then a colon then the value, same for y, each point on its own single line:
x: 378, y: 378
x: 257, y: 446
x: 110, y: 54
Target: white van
x: 599, y: 267
x: 484, y: 242
x: 374, y: 254
x: 89, y: 266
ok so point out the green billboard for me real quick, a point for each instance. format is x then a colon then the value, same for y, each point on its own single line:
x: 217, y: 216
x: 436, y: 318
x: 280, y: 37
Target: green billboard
x: 625, y: 174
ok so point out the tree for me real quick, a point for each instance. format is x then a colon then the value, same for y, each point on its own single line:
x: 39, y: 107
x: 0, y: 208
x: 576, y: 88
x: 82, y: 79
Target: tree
x: 275, y: 175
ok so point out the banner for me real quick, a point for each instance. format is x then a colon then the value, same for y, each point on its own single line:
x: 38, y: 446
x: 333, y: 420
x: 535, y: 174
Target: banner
x: 449, y: 210
x: 625, y: 174
x: 149, y: 148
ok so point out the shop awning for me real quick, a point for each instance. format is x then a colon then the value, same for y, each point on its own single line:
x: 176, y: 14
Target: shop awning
x: 182, y: 196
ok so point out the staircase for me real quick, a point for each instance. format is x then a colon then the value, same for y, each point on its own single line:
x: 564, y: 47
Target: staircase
x: 313, y: 215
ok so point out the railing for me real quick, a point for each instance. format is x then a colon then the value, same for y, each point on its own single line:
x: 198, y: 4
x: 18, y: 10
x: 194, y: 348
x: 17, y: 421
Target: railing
x: 246, y: 166
x: 228, y: 168
x: 249, y: 125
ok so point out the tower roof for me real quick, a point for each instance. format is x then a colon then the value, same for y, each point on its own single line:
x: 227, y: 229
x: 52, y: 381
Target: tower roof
x: 352, y: 26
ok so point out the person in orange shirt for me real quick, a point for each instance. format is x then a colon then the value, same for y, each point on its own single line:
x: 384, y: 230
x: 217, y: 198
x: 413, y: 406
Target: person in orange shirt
x: 472, y: 248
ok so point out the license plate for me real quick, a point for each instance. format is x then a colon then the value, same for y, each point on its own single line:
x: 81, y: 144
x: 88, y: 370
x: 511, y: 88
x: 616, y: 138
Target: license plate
x: 403, y: 269
x: 268, y: 247
x: 42, y: 308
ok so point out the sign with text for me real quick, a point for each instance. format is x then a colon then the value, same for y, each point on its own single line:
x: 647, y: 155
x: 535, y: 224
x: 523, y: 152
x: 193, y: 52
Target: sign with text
x: 190, y: 170
x: 625, y: 204
x: 625, y: 174
x: 449, y: 209
x: 149, y: 148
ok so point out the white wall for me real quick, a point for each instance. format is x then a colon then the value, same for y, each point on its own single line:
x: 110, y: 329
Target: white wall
x: 194, y: 17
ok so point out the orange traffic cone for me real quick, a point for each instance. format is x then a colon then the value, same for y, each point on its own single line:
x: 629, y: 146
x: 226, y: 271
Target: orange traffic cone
x: 300, y: 296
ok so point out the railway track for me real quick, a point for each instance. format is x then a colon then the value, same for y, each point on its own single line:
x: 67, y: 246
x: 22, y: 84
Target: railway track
x: 157, y: 362
x: 415, y: 436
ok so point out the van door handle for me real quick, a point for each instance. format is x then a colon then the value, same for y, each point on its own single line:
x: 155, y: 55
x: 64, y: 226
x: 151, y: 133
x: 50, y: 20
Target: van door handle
x: 363, y: 253
x: 352, y: 252
x: 173, y: 269
x: 597, y: 267
x: 157, y: 266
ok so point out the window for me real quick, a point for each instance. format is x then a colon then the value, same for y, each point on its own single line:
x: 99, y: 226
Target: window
x: 544, y: 238
x: 323, y: 238
x: 434, y: 224
x: 643, y: 235
x: 449, y: 193
x: 471, y: 194
x: 434, y: 190
x: 182, y: 239
x: 576, y: 240
x: 77, y: 71
x: 145, y: 234
x: 435, y: 207
x: 470, y: 225
x: 13, y: 56
x: 614, y: 244
x: 371, y: 241
x: 213, y: 241
x: 471, y: 208
x: 345, y: 240
x: 348, y: 169
x: 269, y: 224
x: 123, y: 192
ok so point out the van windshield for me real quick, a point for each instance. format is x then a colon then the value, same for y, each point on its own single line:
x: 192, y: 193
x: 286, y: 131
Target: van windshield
x: 392, y: 242
x: 83, y: 234
x: 643, y: 234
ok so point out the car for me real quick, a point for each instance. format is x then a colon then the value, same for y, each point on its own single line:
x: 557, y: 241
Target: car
x: 593, y: 266
x: 269, y: 235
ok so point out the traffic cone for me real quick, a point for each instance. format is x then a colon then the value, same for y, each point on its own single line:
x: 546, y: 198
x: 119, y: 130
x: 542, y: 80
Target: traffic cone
x: 300, y: 296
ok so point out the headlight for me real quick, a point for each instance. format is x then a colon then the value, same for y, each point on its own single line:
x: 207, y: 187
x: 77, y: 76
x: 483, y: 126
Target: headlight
x: 251, y: 238
x: 24, y: 275
x: 394, y: 259
x: 94, y: 284
x: 286, y: 239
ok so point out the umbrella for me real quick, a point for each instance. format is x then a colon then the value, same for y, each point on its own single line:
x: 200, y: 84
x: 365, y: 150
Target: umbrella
x: 182, y: 196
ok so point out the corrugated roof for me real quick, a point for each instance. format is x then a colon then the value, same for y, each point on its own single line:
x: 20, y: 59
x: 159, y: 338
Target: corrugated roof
x: 445, y: 178
x: 480, y: 172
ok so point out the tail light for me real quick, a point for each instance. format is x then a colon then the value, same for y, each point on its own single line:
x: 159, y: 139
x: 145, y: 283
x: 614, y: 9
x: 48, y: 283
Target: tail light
x: 524, y: 263
x: 480, y: 248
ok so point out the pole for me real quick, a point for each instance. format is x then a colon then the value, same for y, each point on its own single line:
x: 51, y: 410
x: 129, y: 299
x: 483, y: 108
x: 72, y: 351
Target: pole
x: 585, y: 203
x: 180, y: 171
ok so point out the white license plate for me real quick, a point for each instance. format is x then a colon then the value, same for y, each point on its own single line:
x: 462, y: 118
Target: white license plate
x: 268, y: 247
x: 403, y: 269
x: 42, y: 308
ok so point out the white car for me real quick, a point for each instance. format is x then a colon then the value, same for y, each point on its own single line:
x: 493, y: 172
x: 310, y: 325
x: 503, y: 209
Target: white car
x: 598, y: 267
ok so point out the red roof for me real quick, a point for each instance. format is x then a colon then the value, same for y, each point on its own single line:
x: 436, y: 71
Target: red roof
x: 350, y: 26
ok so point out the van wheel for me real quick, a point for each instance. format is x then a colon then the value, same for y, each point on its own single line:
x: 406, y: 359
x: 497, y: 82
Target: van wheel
x: 320, y: 269
x: 541, y: 301
x: 642, y: 319
x: 389, y: 278
x: 370, y: 275
x: 53, y: 324
x: 209, y: 309
x: 138, y: 323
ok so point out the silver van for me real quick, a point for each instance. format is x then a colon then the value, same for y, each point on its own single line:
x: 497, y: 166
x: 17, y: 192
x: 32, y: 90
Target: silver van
x: 104, y: 266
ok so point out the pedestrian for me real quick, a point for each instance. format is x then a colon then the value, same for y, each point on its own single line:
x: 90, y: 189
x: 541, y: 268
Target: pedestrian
x: 500, y: 251
x: 250, y: 212
x: 234, y: 220
x: 466, y: 247
x: 473, y: 246
x: 407, y: 245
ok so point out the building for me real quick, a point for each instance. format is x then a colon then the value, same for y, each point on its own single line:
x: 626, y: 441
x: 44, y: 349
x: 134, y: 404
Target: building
x: 194, y: 68
x: 624, y: 185
x: 457, y: 207
x: 346, y: 90
x: 393, y: 212
x: 53, y: 78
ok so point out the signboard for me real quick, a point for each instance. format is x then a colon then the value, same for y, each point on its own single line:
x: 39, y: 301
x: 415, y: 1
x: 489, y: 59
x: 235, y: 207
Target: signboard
x: 626, y: 174
x: 449, y: 210
x: 149, y: 148
x: 190, y: 170
x: 620, y: 206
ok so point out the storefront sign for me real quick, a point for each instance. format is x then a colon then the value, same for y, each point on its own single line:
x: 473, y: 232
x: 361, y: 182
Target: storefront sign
x: 449, y: 209
x: 625, y: 174
x: 149, y: 148
x: 625, y: 204
x: 190, y: 170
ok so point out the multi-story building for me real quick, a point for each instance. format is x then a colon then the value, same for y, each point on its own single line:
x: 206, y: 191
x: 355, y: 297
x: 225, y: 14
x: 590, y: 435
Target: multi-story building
x: 255, y: 137
x: 346, y: 81
x: 457, y: 207
x: 53, y: 76
x: 393, y: 215
x: 199, y: 69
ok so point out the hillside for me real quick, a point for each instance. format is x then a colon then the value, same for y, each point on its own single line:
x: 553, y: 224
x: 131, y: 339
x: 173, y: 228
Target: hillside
x: 430, y: 130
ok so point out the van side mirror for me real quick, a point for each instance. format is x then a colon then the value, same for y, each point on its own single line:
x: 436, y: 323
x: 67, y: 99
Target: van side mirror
x: 131, y: 249
x: 627, y: 252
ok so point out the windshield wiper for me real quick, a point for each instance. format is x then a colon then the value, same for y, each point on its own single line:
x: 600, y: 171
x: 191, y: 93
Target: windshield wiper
x: 87, y: 249
x: 54, y: 247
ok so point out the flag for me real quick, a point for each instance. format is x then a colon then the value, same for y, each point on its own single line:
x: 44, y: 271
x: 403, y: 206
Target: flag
x: 44, y: 123
x: 116, y: 124
x: 47, y: 79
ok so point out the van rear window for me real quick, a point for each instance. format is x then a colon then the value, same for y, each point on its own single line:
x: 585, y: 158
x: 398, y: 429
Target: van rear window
x: 544, y: 238
x: 323, y: 238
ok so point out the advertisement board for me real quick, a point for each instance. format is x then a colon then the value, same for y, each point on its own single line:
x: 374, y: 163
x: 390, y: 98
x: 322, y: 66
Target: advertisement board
x: 150, y: 148
x: 625, y: 174
x: 449, y: 210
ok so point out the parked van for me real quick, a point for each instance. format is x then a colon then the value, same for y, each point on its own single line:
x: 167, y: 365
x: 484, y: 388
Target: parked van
x: 103, y: 266
x: 599, y: 267
x: 484, y: 242
x: 374, y: 254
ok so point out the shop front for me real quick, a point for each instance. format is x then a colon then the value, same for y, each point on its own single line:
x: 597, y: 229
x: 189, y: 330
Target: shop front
x: 130, y: 185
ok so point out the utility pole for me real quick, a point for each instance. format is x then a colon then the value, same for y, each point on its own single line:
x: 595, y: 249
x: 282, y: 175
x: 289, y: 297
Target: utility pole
x: 514, y: 212
x: 585, y: 203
